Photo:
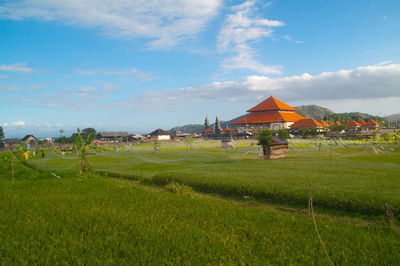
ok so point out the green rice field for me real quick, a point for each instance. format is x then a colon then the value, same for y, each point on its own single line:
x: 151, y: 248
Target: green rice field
x: 203, y: 205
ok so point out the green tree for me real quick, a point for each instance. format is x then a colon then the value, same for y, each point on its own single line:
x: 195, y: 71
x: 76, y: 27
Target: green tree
x: 82, y: 143
x: 1, y: 133
x: 265, y: 139
x: 90, y: 131
x: 283, y: 134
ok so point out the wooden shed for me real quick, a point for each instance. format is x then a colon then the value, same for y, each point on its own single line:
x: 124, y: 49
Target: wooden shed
x: 277, y: 149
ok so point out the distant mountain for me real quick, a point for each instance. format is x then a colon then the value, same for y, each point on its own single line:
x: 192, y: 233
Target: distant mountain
x: 198, y: 128
x: 192, y: 128
x: 393, y: 117
x: 344, y: 117
x: 313, y: 111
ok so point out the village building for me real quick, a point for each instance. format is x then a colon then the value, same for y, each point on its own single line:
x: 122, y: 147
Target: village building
x: 271, y: 113
x: 372, y: 124
x: 306, y: 125
x: 136, y: 137
x: 353, y: 126
x: 325, y: 124
x: 114, y: 136
x: 29, y: 139
x: 9, y: 143
x: 215, y: 132
x: 159, y: 134
x: 361, y: 122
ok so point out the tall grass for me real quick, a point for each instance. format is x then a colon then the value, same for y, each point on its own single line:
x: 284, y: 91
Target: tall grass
x: 103, y: 221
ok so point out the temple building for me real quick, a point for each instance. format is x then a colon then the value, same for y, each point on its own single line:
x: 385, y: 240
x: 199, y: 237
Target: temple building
x: 271, y: 113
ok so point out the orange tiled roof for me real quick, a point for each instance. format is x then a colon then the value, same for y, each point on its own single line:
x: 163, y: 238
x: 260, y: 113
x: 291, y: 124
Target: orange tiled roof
x: 325, y: 124
x: 271, y: 104
x: 361, y: 122
x: 208, y: 130
x: 337, y: 123
x: 352, y: 123
x: 261, y: 117
x: 225, y: 129
x: 372, y: 123
x: 307, y: 122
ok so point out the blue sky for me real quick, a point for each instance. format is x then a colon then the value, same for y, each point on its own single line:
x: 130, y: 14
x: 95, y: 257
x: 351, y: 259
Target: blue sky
x: 141, y: 65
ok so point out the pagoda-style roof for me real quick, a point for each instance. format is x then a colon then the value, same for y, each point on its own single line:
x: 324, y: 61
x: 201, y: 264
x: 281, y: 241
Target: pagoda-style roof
x: 325, y: 124
x: 372, y: 123
x: 272, y: 117
x: 306, y: 122
x: 271, y: 104
x: 352, y: 123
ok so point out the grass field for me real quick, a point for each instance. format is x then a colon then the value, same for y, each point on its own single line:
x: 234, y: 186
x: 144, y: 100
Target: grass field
x: 101, y: 220
x: 358, y: 178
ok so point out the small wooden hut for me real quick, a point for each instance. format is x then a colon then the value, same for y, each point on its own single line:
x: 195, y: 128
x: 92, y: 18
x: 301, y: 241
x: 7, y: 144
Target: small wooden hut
x: 277, y: 149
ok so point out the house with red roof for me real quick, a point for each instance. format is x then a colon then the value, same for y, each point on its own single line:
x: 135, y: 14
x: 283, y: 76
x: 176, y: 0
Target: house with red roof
x: 270, y: 113
x: 361, y: 122
x: 352, y: 124
x: 307, y: 123
x: 372, y: 124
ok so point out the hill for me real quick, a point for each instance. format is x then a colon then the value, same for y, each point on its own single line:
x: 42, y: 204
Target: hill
x: 198, y: 128
x: 344, y: 117
x: 393, y: 117
x: 313, y: 111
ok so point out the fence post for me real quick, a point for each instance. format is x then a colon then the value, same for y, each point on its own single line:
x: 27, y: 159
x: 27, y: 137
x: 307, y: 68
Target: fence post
x: 309, y: 199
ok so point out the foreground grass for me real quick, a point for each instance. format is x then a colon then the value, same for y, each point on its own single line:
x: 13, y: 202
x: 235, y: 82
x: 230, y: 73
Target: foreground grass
x: 353, y: 178
x: 103, y: 221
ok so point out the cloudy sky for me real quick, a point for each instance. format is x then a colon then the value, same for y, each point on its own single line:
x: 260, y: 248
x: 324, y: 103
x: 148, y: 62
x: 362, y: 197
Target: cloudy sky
x: 143, y: 64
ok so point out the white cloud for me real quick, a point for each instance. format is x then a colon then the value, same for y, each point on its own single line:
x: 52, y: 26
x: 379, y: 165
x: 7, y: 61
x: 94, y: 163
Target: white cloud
x: 131, y: 72
x: 240, y: 30
x: 17, y: 67
x: 164, y: 23
x: 18, y: 123
x: 362, y: 83
x: 3, y: 76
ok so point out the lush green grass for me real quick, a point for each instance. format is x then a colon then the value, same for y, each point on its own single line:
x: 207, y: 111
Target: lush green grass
x: 103, y: 221
x: 353, y: 177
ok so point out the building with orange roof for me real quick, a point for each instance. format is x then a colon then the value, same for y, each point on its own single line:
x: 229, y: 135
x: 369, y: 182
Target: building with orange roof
x: 307, y: 123
x: 353, y: 124
x: 372, y: 124
x: 270, y: 113
x: 337, y: 123
x: 361, y: 122
x: 325, y: 124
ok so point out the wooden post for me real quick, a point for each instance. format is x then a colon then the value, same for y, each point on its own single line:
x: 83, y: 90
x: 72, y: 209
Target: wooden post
x: 12, y: 167
x: 309, y: 200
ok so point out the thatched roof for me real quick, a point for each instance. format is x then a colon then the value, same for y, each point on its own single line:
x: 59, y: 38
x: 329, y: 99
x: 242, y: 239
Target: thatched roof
x: 28, y: 137
x: 158, y: 132
x: 116, y: 134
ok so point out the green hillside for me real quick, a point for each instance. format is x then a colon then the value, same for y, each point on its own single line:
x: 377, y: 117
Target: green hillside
x: 313, y: 111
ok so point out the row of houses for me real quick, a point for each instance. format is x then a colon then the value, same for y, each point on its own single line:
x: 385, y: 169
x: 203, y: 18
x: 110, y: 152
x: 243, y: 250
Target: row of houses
x: 275, y: 114
x: 102, y: 137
